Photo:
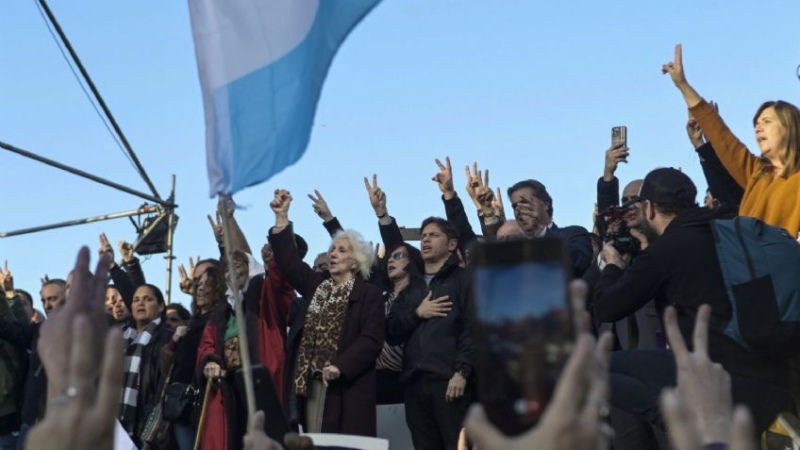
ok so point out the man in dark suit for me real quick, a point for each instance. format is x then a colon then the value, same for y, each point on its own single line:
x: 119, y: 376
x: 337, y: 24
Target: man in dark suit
x: 533, y: 210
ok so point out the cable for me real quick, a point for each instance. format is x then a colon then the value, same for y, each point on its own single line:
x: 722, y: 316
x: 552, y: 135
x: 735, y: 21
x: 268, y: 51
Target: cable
x: 51, y: 18
x: 83, y: 87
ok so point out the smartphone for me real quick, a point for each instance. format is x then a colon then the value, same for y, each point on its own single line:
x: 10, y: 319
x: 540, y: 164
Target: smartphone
x: 619, y: 135
x: 523, y: 330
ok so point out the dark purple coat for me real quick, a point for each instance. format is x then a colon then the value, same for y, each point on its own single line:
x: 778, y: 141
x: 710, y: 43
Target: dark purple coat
x: 350, y: 401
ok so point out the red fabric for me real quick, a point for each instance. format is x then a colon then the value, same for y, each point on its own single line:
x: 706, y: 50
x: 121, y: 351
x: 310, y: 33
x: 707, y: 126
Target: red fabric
x: 274, y: 305
x: 215, y: 426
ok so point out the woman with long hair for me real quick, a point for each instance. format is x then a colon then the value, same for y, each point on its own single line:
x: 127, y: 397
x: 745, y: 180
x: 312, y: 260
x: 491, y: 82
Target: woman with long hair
x: 207, y: 288
x: 771, y: 181
x: 334, y: 381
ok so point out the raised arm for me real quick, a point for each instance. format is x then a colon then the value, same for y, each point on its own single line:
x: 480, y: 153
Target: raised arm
x: 329, y: 221
x: 390, y: 231
x: 131, y: 263
x: 735, y: 156
x: 491, y: 213
x: 454, y: 209
x: 238, y: 241
x: 281, y: 238
x: 122, y: 281
x: 722, y: 185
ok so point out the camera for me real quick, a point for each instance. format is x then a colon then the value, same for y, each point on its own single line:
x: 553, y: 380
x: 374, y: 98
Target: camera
x: 615, y: 229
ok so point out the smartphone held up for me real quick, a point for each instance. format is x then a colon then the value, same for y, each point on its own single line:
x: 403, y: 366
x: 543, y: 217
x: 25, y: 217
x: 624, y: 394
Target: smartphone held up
x: 619, y: 139
x: 523, y: 327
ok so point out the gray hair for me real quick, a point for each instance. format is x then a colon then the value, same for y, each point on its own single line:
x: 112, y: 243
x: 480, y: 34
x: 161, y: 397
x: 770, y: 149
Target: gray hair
x: 362, y: 250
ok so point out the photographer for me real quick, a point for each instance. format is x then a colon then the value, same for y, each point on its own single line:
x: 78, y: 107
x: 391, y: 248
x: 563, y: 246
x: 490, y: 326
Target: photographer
x: 620, y: 225
x: 681, y: 269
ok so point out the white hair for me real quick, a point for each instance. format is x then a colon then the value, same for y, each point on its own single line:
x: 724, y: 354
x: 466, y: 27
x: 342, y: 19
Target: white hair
x: 362, y: 250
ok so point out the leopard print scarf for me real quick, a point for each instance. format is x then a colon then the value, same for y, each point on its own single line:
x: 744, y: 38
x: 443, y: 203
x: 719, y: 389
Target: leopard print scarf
x: 324, y: 321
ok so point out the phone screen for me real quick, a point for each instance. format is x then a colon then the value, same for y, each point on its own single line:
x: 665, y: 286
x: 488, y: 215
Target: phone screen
x: 524, y: 328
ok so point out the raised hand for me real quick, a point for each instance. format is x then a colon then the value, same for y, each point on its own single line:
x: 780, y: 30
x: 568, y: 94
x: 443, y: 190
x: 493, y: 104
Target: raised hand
x: 6, y: 280
x: 616, y: 154
x: 280, y: 206
x: 377, y: 198
x: 216, y: 227
x: 86, y: 297
x: 473, y: 181
x: 444, y: 178
x: 434, y: 307
x: 575, y: 418
x: 497, y: 205
x: 676, y: 72
x: 126, y: 250
x: 106, y: 248
x: 187, y: 279
x: 321, y: 207
x: 478, y: 189
x: 704, y: 387
x: 675, y: 68
x: 83, y: 416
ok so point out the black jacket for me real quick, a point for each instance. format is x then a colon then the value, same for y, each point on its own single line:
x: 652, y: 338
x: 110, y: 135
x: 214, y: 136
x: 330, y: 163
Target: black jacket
x: 435, y: 347
x: 681, y: 269
x: 152, y: 375
x: 579, y: 246
x: 722, y: 185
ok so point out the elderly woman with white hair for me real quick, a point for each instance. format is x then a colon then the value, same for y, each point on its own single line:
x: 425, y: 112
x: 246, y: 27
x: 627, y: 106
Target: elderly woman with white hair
x: 335, y: 381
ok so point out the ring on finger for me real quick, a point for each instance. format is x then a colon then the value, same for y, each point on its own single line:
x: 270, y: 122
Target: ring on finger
x: 603, y: 407
x: 71, y: 392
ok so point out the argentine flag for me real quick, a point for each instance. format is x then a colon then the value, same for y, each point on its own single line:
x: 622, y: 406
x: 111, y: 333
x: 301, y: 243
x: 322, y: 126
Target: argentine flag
x: 262, y: 64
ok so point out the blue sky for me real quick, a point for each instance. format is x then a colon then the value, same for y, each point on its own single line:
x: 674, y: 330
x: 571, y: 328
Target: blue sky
x: 527, y: 89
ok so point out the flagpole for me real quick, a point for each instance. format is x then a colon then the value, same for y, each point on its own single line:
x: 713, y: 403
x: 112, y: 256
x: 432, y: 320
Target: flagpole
x: 244, y: 348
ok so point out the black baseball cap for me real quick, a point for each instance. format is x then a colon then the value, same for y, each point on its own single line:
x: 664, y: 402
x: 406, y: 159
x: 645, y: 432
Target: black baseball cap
x: 668, y: 186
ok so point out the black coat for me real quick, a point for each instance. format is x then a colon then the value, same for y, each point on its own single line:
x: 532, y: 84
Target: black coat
x: 681, y: 269
x: 151, y: 374
x: 350, y: 401
x: 436, y: 347
x: 579, y: 246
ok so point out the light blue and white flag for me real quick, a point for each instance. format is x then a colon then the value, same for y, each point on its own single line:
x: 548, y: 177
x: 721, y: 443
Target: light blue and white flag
x: 262, y: 64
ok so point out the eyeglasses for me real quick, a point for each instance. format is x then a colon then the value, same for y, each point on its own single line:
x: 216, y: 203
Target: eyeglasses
x: 400, y: 255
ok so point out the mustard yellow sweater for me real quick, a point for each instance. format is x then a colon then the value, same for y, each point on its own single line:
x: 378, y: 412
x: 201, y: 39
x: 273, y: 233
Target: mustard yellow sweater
x: 773, y: 199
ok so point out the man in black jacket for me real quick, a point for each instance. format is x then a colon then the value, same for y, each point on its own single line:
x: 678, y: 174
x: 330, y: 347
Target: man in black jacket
x: 438, y: 354
x: 679, y: 268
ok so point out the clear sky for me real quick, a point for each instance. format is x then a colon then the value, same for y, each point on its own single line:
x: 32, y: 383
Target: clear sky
x: 528, y: 89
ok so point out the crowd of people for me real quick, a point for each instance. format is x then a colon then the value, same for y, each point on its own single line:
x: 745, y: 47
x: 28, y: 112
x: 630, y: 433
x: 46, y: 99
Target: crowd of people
x: 361, y: 327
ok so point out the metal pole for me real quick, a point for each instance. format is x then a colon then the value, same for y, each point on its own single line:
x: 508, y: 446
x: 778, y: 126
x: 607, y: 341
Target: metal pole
x: 170, y: 228
x: 97, y: 96
x: 146, y: 209
x: 81, y: 173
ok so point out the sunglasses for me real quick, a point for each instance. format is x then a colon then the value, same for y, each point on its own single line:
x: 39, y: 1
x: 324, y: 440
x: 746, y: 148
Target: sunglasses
x: 173, y: 319
x: 398, y: 256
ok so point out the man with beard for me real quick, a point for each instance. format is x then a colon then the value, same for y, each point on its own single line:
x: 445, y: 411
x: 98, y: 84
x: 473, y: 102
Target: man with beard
x: 680, y: 268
